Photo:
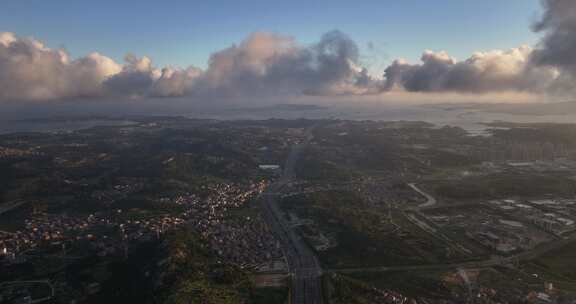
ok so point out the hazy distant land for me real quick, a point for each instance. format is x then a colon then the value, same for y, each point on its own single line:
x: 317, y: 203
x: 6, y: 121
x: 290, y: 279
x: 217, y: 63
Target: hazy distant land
x: 284, y: 107
x: 556, y: 108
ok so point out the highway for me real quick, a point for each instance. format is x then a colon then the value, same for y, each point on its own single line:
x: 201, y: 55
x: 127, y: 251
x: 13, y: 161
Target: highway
x: 305, y: 268
x: 303, y: 264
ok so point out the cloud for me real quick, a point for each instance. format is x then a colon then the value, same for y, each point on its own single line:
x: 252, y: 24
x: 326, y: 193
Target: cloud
x: 89, y: 72
x: 263, y: 64
x: 268, y: 64
x: 30, y: 70
x: 175, y: 82
x: 138, y: 78
x: 274, y: 64
x: 558, y: 23
x: 547, y: 68
x: 557, y: 48
x: 483, y: 72
x: 135, y: 79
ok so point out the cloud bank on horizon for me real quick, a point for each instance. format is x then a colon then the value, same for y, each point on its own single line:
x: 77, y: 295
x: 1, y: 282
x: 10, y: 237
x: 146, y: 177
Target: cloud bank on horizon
x: 267, y: 64
x: 262, y: 64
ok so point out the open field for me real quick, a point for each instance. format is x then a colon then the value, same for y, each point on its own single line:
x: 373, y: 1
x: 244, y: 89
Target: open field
x: 364, y: 234
x: 557, y: 266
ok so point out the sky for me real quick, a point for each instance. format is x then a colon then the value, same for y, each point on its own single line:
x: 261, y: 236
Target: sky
x: 246, y: 50
x: 181, y: 33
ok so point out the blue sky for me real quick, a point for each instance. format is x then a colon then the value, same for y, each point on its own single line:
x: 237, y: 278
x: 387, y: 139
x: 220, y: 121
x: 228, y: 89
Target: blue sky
x: 187, y: 32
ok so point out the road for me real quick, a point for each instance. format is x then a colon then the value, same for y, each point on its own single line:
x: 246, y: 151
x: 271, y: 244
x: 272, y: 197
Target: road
x: 25, y: 283
x: 430, y: 201
x: 496, y: 261
x: 302, y: 262
x: 305, y: 267
x: 11, y: 205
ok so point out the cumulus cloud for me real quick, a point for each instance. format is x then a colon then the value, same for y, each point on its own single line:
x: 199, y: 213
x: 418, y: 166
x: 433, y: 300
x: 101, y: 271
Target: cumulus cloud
x: 270, y: 63
x: 139, y: 78
x: 135, y: 79
x: 549, y: 67
x: 558, y: 23
x: 262, y: 64
x: 30, y: 70
x: 266, y: 64
x: 492, y: 71
x: 558, y: 46
x: 89, y: 72
x: 174, y: 82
